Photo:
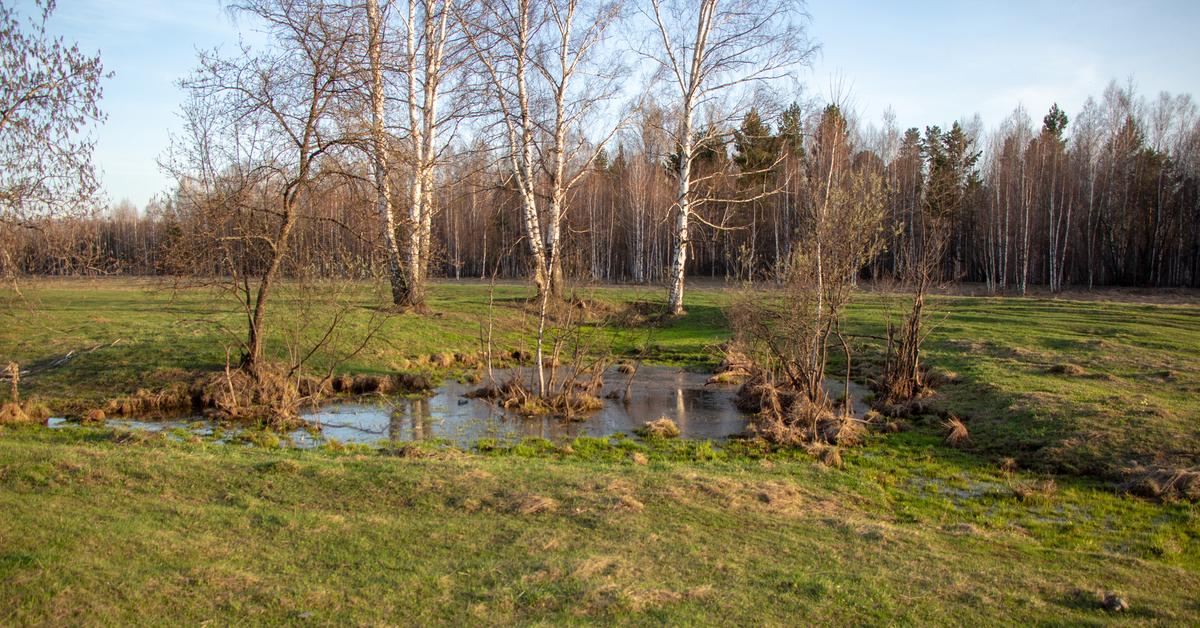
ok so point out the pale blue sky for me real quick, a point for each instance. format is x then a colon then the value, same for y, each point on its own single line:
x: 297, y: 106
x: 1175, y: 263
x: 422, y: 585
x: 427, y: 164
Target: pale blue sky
x: 933, y: 62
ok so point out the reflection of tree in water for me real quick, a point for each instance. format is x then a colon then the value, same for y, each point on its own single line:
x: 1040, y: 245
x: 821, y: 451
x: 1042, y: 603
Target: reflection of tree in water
x: 680, y: 409
x: 418, y: 416
x: 699, y: 412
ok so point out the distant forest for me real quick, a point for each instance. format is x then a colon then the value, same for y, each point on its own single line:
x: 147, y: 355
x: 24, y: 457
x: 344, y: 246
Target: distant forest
x: 486, y: 142
x: 1109, y: 198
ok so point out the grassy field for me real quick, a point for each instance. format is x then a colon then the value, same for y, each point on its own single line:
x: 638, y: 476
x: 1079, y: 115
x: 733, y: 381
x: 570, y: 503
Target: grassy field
x: 127, y: 334
x: 104, y: 527
x: 101, y: 529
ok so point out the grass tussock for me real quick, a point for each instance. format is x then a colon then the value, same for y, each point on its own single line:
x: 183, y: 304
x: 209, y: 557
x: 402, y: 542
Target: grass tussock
x: 735, y: 368
x: 28, y: 412
x: 956, y: 433
x: 12, y: 413
x: 514, y: 396
x: 921, y: 403
x: 179, y: 397
x: 1067, y: 369
x: 1163, y: 483
x: 626, y: 503
x: 662, y: 428
x: 1033, y: 490
x: 828, y: 455
x: 531, y: 504
x: 804, y: 422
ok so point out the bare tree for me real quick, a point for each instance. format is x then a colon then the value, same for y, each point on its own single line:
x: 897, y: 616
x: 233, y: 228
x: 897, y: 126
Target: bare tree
x: 380, y: 149
x: 790, y: 332
x: 708, y: 50
x: 259, y: 127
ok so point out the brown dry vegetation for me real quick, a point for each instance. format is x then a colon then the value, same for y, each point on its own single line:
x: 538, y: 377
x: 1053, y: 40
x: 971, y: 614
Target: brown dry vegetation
x: 1163, y: 483
x: 571, y: 400
x: 661, y: 428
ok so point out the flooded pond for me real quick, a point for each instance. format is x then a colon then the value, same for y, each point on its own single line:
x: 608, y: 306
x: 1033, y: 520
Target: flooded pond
x: 701, y: 412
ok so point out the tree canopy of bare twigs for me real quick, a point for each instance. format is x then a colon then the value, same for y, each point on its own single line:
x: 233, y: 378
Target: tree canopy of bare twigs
x: 49, y: 95
x: 262, y: 145
x: 794, y: 328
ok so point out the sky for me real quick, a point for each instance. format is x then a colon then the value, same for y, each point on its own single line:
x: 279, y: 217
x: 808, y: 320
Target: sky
x: 932, y: 62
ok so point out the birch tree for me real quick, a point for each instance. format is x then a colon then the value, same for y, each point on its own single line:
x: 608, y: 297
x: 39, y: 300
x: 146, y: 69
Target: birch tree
x: 706, y: 51
x: 380, y: 149
x: 548, y: 80
x: 417, y: 53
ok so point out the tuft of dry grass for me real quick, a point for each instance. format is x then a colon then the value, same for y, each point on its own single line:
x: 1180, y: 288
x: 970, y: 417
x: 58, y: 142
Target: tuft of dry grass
x: 662, y: 428
x: 828, y: 455
x: 12, y: 413
x: 442, y: 360
x: 956, y: 433
x: 1033, y: 490
x: 93, y: 417
x: 735, y: 368
x: 1163, y: 483
x: 36, y: 412
x: 842, y: 430
x: 626, y: 503
x: 411, y: 451
x: 597, y: 565
x: 531, y: 504
x: 282, y: 467
x: 1067, y: 369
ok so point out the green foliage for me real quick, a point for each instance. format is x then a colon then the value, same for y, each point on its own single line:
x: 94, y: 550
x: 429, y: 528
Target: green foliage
x: 755, y: 151
x: 952, y: 172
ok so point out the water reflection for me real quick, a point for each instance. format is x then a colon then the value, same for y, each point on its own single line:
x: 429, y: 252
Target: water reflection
x: 700, y: 412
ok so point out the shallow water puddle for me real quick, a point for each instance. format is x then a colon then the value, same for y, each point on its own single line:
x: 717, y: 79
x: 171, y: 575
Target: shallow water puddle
x: 702, y: 412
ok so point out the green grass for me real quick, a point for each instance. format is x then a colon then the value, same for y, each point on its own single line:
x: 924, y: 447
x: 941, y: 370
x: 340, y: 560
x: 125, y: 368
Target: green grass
x: 128, y: 334
x: 1135, y: 401
x: 165, y: 533
x: 101, y: 528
